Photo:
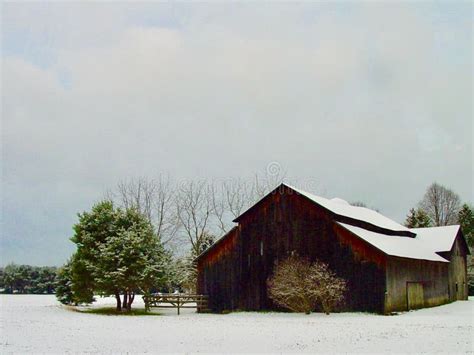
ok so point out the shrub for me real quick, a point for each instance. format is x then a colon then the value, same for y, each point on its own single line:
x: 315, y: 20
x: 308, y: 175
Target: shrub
x: 302, y: 286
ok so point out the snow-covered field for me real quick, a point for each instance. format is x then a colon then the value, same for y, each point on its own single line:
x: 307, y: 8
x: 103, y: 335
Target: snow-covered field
x: 39, y: 324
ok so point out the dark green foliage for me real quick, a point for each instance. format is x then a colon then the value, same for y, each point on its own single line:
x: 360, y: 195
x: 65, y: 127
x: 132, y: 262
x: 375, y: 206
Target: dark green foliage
x: 28, y: 279
x: 417, y: 219
x: 82, y: 282
x: 64, y: 285
x: 118, y: 253
x: 466, y: 220
x: 470, y: 286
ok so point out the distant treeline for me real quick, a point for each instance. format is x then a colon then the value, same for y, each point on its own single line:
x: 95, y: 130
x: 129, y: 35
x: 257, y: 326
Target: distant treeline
x: 28, y: 279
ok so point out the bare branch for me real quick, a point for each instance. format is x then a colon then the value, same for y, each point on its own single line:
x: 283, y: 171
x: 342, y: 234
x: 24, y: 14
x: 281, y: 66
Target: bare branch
x: 441, y: 205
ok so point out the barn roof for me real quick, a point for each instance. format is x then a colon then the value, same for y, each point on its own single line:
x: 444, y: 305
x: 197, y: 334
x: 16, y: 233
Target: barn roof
x: 342, y: 208
x: 217, y: 242
x: 359, y: 213
x: 439, y: 238
x: 404, y: 247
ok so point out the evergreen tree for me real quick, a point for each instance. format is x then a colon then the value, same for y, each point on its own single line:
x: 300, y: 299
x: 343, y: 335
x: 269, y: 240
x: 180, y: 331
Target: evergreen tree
x: 44, y: 280
x: 466, y: 220
x: 417, y: 219
x: 117, y: 254
x: 28, y: 279
x: 131, y: 260
x: 64, y: 284
x: 9, y: 278
x: 411, y: 220
x: 93, y: 229
x: 423, y: 219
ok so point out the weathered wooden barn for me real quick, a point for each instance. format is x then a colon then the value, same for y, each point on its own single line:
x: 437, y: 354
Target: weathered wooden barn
x: 387, y: 266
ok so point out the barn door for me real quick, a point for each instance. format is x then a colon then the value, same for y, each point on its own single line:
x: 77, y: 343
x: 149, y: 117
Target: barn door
x: 415, y: 295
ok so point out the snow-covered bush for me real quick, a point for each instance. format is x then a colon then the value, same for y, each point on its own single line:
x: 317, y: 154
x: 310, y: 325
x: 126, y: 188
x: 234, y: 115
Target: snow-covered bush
x: 302, y: 286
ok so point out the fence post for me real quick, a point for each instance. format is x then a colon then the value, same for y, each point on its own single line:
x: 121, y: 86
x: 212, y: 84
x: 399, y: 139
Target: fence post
x: 178, y: 304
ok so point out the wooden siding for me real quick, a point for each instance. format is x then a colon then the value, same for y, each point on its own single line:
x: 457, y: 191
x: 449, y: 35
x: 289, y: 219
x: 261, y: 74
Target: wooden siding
x: 286, y: 223
x: 432, y: 275
x: 457, y: 270
x: 219, y: 273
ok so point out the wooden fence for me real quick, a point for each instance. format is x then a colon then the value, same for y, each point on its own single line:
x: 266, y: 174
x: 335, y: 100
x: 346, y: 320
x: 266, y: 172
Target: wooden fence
x: 176, y: 300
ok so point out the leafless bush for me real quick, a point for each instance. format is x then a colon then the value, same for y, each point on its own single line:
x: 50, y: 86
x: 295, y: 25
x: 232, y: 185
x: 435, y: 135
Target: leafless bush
x: 301, y: 286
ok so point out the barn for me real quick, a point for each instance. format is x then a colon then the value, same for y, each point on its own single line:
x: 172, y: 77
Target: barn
x: 388, y: 267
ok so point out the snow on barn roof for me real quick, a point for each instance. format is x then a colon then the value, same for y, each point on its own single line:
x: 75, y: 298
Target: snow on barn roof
x: 340, y: 200
x: 439, y: 238
x: 367, y: 215
x: 404, y: 247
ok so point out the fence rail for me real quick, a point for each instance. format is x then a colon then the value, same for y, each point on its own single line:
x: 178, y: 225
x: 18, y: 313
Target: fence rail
x: 176, y: 300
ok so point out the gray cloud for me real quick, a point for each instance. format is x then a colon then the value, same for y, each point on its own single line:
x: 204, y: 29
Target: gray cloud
x: 374, y: 102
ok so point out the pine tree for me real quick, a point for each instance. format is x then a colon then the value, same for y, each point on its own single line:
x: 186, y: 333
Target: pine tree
x: 64, y: 292
x: 131, y: 260
x: 417, y: 219
x: 466, y: 220
x: 423, y: 219
x: 117, y: 254
x: 411, y: 220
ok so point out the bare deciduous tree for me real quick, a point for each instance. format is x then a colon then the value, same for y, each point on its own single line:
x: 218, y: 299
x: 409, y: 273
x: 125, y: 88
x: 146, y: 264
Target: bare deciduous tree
x: 194, y: 208
x: 219, y: 207
x: 239, y: 196
x: 273, y: 177
x: 301, y: 286
x: 229, y: 199
x: 183, y: 214
x: 441, y: 205
x: 154, y: 198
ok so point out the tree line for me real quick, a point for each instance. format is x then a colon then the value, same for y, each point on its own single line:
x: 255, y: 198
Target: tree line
x: 28, y: 279
x: 145, y: 234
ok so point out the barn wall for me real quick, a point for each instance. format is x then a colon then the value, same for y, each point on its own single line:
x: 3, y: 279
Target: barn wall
x: 458, y: 289
x: 288, y: 222
x: 431, y: 274
x: 219, y: 274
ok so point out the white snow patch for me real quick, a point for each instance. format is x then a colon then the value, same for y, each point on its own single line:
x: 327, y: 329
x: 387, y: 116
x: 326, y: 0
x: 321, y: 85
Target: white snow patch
x: 39, y: 324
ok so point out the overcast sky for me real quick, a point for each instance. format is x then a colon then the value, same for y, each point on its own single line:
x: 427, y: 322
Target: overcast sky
x: 368, y: 101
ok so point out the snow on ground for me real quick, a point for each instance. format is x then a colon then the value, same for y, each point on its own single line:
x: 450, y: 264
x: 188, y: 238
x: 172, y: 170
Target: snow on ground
x: 30, y: 323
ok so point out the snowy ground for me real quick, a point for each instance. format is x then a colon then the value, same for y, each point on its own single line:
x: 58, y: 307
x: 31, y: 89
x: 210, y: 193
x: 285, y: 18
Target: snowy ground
x: 39, y: 324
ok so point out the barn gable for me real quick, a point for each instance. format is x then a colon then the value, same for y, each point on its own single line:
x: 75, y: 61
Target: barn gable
x: 362, y: 216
